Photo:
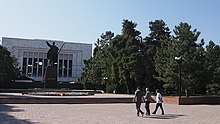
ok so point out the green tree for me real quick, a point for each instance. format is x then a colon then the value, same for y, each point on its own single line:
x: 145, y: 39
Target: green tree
x: 158, y: 33
x: 182, y: 44
x: 193, y: 57
x: 103, y: 62
x: 8, y: 68
x: 165, y: 65
x: 123, y: 58
x: 96, y: 70
x: 125, y: 61
x: 212, y: 64
x: 115, y: 45
x: 87, y: 75
x: 130, y: 62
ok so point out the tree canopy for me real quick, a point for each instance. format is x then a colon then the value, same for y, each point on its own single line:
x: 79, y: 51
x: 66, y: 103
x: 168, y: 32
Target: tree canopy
x: 124, y: 61
x: 8, y: 68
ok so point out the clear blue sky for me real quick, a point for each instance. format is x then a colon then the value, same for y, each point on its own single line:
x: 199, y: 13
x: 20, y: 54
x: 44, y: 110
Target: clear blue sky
x: 84, y: 20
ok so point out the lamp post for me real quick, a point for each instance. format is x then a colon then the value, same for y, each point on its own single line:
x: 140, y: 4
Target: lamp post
x: 105, y: 79
x: 179, y: 60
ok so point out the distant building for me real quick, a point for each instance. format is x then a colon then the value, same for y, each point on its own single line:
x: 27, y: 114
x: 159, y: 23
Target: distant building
x: 32, y: 57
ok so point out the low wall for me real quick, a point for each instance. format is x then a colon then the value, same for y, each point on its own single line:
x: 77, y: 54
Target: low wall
x: 129, y: 99
x: 199, y: 100
x: 47, y: 90
x: 193, y: 100
x: 86, y: 100
x: 171, y: 100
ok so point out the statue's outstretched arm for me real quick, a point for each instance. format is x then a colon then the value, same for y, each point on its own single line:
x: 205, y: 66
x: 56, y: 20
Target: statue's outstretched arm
x: 49, y: 44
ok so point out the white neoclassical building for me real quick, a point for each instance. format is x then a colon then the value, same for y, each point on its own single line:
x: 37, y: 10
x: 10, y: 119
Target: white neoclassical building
x: 32, y: 57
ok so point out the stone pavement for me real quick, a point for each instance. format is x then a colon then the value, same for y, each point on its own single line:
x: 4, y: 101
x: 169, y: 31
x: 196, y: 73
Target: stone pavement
x: 124, y: 113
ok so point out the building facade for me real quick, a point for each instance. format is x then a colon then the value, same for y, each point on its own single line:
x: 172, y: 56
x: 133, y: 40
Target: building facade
x: 32, y: 57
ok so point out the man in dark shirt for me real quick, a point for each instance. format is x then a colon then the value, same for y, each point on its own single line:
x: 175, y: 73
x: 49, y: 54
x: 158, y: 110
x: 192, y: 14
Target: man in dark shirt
x: 147, y: 101
x: 138, y: 99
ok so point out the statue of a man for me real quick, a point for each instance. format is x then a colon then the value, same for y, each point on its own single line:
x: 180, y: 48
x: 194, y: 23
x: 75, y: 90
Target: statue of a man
x: 52, y: 53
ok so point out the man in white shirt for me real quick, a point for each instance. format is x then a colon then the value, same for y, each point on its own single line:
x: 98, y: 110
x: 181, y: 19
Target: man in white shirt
x: 159, y: 102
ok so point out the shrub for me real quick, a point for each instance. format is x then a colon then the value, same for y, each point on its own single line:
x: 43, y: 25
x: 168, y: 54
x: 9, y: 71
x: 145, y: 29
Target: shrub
x: 213, y: 89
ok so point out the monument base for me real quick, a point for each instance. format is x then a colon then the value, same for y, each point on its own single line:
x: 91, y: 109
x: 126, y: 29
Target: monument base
x: 51, y: 77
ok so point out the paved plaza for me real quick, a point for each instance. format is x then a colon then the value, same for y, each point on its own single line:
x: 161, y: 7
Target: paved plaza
x: 106, y: 114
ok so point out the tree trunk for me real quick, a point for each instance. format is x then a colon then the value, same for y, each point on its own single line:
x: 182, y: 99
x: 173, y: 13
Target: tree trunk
x: 128, y: 87
x: 187, y: 93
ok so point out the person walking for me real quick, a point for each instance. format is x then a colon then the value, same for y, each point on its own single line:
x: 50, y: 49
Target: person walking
x: 138, y: 99
x: 159, y: 102
x: 147, y: 101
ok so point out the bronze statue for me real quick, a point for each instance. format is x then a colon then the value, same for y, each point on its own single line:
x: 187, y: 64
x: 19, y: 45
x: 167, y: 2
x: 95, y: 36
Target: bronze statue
x: 52, y: 53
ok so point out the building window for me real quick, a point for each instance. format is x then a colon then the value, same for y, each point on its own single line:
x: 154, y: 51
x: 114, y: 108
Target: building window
x: 30, y: 54
x: 45, y: 65
x: 35, y: 67
x: 35, y: 54
x: 29, y: 73
x: 40, y: 55
x: 24, y: 66
x: 65, y: 68
x: 70, y: 68
x: 40, y: 69
x: 25, y: 54
x: 60, y: 67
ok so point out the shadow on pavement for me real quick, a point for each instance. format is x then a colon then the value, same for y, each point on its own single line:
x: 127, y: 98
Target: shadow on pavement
x: 5, y: 118
x: 166, y: 116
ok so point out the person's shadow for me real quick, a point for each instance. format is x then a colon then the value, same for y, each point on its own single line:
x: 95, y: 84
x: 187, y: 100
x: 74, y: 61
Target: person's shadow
x: 166, y: 116
x: 5, y: 118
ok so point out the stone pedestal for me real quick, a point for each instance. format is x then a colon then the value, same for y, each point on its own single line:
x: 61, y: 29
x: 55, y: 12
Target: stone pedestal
x: 51, y: 77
